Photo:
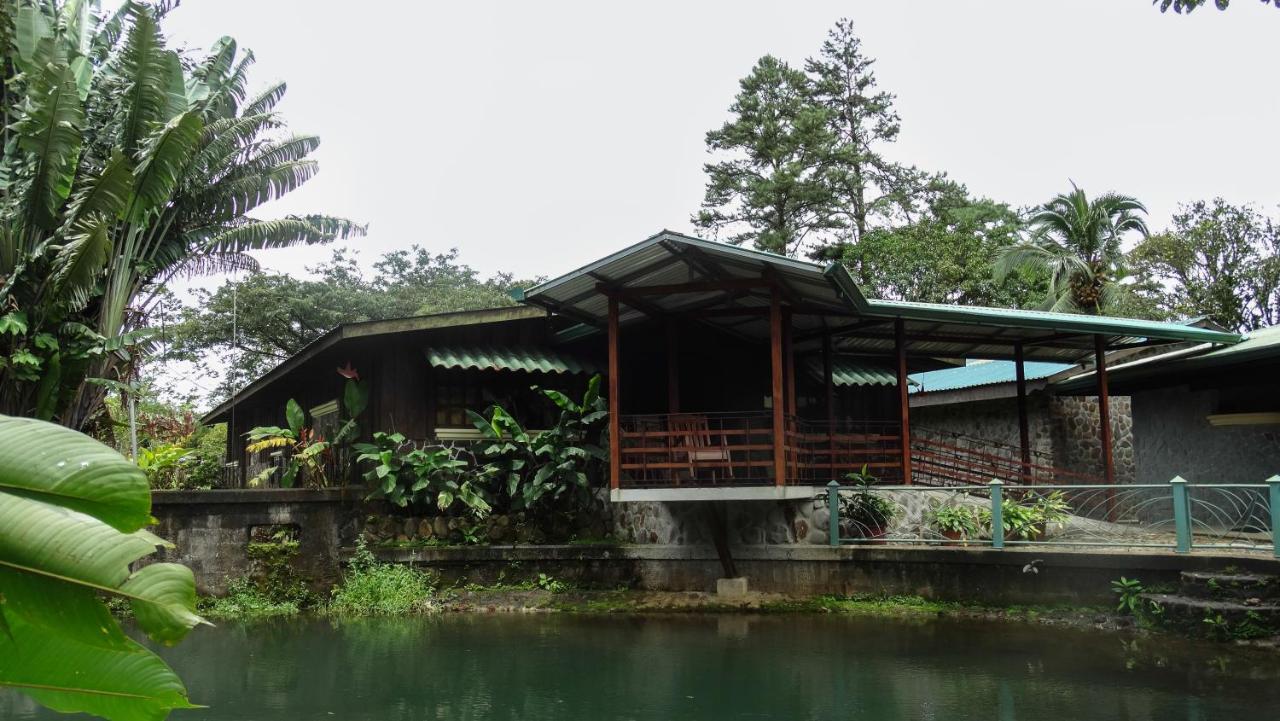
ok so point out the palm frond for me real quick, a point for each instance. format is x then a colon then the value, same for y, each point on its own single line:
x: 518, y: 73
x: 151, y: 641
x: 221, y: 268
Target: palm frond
x: 239, y: 195
x: 265, y: 101
x: 202, y: 265
x: 280, y: 233
x: 147, y: 68
x: 285, y: 151
x: 106, y: 193
x: 51, y: 134
x: 80, y: 262
x: 161, y: 164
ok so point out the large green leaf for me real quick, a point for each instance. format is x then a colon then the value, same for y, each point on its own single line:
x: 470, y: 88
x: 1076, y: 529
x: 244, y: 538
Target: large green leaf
x: 161, y: 162
x: 296, y: 417
x: 128, y: 684
x: 51, y: 134
x: 163, y: 597
x: 47, y: 462
x: 146, y: 67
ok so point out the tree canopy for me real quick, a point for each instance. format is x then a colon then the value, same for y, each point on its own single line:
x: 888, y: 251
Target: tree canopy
x: 1219, y: 261
x: 125, y: 164
x: 276, y: 315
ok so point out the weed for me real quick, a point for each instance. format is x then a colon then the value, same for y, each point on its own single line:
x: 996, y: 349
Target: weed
x: 373, y: 588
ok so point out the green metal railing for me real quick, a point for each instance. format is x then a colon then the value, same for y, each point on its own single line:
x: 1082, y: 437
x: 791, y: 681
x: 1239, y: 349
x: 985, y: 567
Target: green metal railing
x: 1178, y: 516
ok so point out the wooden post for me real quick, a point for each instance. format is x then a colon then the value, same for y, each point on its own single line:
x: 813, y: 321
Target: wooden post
x: 828, y: 382
x: 673, y: 366
x: 775, y: 359
x: 789, y: 354
x: 615, y: 401
x: 1024, y: 432
x: 829, y: 391
x: 904, y: 402
x: 1104, y: 408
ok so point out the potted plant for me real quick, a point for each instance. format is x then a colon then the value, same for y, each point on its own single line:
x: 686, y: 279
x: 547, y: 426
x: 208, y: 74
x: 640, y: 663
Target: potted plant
x: 869, y: 512
x: 1028, y: 519
x: 955, y: 522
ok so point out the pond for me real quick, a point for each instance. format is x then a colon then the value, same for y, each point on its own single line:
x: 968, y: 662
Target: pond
x: 665, y: 667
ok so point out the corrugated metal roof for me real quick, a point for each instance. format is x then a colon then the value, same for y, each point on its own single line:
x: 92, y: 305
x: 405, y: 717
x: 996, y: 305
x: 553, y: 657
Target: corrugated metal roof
x: 982, y: 374
x: 854, y: 372
x: 1258, y: 345
x: 827, y: 299
x: 530, y: 360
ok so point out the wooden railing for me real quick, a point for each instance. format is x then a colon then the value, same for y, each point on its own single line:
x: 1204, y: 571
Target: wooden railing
x: 724, y: 449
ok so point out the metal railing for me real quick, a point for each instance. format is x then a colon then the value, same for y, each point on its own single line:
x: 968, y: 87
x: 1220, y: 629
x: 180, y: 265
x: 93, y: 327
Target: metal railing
x: 1176, y: 516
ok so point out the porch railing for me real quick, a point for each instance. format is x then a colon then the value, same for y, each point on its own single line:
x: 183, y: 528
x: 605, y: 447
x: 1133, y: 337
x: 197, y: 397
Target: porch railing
x: 1176, y: 516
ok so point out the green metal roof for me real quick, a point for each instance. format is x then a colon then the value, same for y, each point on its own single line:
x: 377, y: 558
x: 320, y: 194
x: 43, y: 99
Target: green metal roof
x: 530, y: 360
x: 982, y: 374
x: 854, y: 372
x: 717, y: 291
x: 1259, y: 345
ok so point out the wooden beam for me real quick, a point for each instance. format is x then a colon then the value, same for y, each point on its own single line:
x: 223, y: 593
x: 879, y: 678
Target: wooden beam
x: 904, y: 401
x: 673, y: 367
x: 1104, y: 408
x: 1024, y: 431
x: 615, y: 401
x: 775, y: 363
x: 702, y: 286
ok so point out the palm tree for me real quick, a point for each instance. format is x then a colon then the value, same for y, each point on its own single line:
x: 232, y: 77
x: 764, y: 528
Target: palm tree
x: 1077, y: 242
x: 124, y: 165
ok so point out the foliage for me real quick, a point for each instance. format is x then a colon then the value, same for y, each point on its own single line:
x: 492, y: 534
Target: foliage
x: 372, y: 588
x: 192, y: 462
x: 244, y: 599
x: 961, y: 519
x: 429, y: 476
x: 944, y: 254
x: 1187, y: 6
x: 1218, y: 261
x: 869, y: 189
x: 800, y: 164
x: 1129, y: 591
x: 548, y: 469
x: 308, y: 453
x: 125, y: 165
x: 773, y: 180
x: 870, y: 511
x: 1077, y: 242
x: 1026, y: 519
x: 73, y: 514
x: 276, y: 315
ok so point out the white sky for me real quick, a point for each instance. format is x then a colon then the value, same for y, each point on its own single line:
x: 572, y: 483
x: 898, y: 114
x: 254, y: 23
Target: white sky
x: 538, y: 136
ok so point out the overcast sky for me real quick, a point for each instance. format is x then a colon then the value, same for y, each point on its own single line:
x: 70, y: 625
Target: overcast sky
x: 538, y: 136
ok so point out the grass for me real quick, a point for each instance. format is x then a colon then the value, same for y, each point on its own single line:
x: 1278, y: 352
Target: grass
x: 373, y: 588
x: 244, y: 599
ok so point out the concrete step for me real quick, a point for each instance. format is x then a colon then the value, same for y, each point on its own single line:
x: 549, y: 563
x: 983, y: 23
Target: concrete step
x: 1224, y: 585
x: 1221, y: 619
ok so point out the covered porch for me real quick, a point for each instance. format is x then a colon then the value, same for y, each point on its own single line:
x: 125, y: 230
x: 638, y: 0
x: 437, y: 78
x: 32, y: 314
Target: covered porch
x: 735, y: 374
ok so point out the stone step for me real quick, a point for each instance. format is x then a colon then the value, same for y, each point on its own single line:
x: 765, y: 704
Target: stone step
x: 1221, y: 619
x: 1225, y: 585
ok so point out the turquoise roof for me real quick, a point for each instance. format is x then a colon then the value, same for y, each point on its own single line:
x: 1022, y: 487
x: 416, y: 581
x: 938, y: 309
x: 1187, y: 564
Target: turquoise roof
x: 982, y: 374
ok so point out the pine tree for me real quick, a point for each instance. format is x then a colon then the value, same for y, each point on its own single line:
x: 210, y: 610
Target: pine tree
x: 772, y: 190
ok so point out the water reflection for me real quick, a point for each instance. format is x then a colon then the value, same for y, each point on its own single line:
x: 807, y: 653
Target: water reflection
x: 703, y: 667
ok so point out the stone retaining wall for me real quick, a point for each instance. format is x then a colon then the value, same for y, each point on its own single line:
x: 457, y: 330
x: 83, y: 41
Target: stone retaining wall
x: 211, y: 530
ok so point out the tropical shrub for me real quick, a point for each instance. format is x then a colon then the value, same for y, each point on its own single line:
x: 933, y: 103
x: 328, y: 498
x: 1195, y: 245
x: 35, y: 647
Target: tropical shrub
x: 418, y: 477
x: 553, y: 468
x: 870, y: 512
x: 960, y: 520
x: 124, y: 165
x: 73, y: 517
x: 193, y: 462
x: 308, y: 454
x: 372, y: 588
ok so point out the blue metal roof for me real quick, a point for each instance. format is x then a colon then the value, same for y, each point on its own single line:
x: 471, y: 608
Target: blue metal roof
x: 982, y: 374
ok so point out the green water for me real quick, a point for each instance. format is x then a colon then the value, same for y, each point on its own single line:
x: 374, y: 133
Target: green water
x: 704, y: 667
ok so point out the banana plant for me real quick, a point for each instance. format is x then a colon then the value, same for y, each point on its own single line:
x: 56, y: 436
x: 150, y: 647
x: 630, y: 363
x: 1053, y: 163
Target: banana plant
x: 73, y: 518
x: 123, y: 167
x: 309, y: 452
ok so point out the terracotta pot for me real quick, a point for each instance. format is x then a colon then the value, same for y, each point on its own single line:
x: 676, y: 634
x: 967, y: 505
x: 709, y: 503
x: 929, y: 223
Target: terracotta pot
x: 955, y: 538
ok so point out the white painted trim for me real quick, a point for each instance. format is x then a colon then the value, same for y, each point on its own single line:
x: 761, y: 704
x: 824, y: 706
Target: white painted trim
x: 724, y: 493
